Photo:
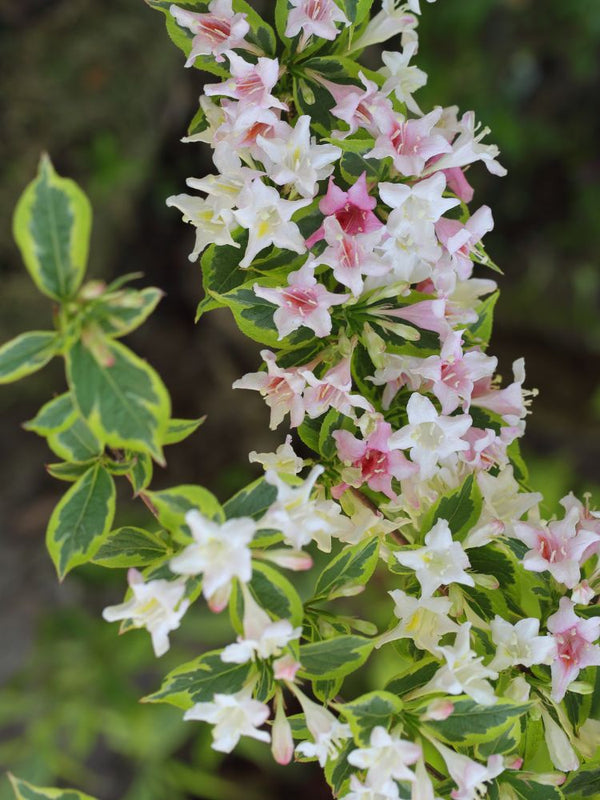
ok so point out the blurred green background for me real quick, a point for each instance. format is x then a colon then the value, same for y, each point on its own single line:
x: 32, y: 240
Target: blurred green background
x: 101, y: 88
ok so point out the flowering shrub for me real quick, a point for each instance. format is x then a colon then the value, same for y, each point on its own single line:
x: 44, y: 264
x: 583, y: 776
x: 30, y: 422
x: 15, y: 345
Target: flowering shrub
x: 337, y: 231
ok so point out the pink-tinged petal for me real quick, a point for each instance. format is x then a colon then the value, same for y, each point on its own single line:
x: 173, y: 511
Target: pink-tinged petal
x: 458, y: 184
x: 400, y: 467
x: 349, y: 447
x: 379, y: 439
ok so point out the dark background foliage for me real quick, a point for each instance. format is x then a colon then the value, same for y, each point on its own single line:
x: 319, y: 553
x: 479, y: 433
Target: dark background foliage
x: 100, y: 87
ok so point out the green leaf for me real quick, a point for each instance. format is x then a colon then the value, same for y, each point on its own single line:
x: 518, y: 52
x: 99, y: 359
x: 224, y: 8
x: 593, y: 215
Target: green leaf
x: 332, y: 421
x: 54, y: 416
x: 130, y: 547
x: 251, y: 501
x: 275, y: 593
x: 471, y: 723
x: 81, y: 520
x: 124, y: 403
x: 180, y: 429
x: 352, y: 567
x: 339, y: 770
x: 461, y: 509
x: 199, y: 680
x: 27, y: 791
x: 529, y: 790
x: 28, y: 353
x: 333, y: 658
x: 69, y: 470
x: 585, y: 783
x: 120, y: 313
x: 414, y: 677
x: 481, y: 331
x: 309, y: 432
x: 173, y: 504
x: 326, y: 690
x: 52, y: 226
x: 220, y: 270
x: 141, y: 472
x: 369, y: 711
x: 76, y: 442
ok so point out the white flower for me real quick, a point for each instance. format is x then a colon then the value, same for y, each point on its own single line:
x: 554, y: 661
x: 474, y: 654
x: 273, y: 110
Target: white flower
x: 520, y: 644
x: 469, y: 775
x: 283, y: 460
x: 213, y: 224
x: 327, y: 731
x: 299, y: 518
x: 401, y: 79
x: 503, y: 498
x: 267, y: 217
x: 423, y: 620
x: 365, y: 791
x: 463, y: 671
x: 233, y: 715
x: 442, y: 561
x: 262, y: 637
x: 219, y: 553
x: 157, y: 606
x: 429, y: 435
x: 386, y: 757
x: 292, y: 156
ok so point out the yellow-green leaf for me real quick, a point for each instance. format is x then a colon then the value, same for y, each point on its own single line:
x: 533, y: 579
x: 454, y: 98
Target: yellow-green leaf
x: 26, y: 354
x: 52, y: 226
x: 81, y: 520
x: 27, y: 791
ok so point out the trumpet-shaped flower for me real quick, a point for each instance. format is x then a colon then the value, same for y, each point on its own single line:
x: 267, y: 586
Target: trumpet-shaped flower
x: 333, y: 390
x: 219, y: 553
x: 292, y: 156
x: 268, y: 219
x: 374, y: 460
x: 575, y: 646
x: 213, y: 224
x: 315, y: 18
x: 469, y: 776
x: 386, y: 757
x: 424, y: 620
x: 353, y: 210
x: 358, y: 108
x: 351, y: 257
x: 281, y: 388
x: 233, y: 716
x: 557, y: 548
x: 214, y: 33
x: 249, y: 83
x: 441, y: 562
x: 327, y: 731
x: 503, y: 499
x: 401, y: 78
x: 157, y: 606
x: 520, y: 644
x: 463, y: 672
x: 410, y: 143
x: 429, y: 435
x: 304, y: 302
x: 263, y: 638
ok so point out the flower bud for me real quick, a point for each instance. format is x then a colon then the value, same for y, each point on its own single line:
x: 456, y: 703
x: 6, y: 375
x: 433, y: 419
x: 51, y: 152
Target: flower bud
x: 282, y: 743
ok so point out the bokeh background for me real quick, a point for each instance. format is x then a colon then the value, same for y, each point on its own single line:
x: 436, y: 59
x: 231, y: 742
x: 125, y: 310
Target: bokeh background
x: 100, y: 86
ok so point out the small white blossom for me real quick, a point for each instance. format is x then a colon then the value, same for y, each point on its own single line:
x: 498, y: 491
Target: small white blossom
x: 470, y: 776
x: 233, y: 715
x: 424, y: 620
x: 429, y: 435
x: 157, y: 606
x: 463, y: 672
x: 520, y: 644
x: 442, y: 561
x: 386, y: 757
x: 284, y: 460
x: 219, y: 553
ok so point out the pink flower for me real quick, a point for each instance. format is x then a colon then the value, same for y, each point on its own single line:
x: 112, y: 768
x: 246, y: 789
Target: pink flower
x: 508, y: 402
x: 557, y: 548
x: 459, y: 240
x: 351, y: 257
x: 314, y: 18
x: 251, y: 83
x: 304, y: 302
x: 430, y: 315
x: 410, y: 143
x: 358, y: 108
x: 352, y: 209
x: 333, y: 391
x: 214, y: 33
x: 458, y: 373
x: 377, y: 462
x: 574, y: 640
x: 281, y: 388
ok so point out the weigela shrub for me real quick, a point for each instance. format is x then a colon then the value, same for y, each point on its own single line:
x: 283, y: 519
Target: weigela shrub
x: 337, y: 229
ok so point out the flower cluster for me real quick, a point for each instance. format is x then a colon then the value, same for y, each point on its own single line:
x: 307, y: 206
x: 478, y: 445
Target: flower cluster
x: 345, y: 207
